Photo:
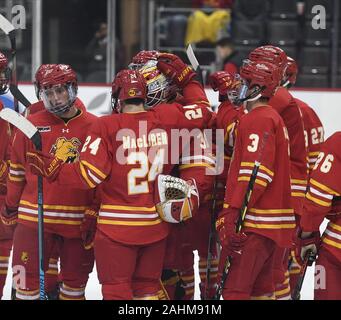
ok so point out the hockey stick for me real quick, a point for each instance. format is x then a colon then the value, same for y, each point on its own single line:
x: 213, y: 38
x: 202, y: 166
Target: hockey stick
x: 31, y: 132
x: 194, y: 63
x: 242, y: 214
x: 19, y: 95
x: 9, y: 30
x: 308, y: 261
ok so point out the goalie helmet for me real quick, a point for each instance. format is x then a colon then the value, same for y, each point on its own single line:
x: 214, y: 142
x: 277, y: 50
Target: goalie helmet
x: 5, y: 74
x: 262, y: 79
x: 128, y: 84
x: 159, y: 88
x: 140, y: 59
x: 39, y: 77
x: 58, y: 88
x: 290, y: 73
x: 272, y: 54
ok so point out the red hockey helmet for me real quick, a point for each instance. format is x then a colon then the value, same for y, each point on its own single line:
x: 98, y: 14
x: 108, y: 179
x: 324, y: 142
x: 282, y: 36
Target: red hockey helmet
x: 58, y: 88
x: 128, y: 84
x: 290, y: 73
x: 5, y: 74
x: 40, y: 75
x: 262, y: 79
x: 272, y: 54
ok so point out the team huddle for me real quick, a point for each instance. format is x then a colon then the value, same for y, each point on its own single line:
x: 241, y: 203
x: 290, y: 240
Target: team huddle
x: 137, y: 191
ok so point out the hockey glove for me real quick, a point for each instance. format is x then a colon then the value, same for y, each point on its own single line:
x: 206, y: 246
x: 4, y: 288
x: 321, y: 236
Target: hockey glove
x: 303, y: 243
x: 175, y: 69
x: 88, y: 228
x: 9, y: 217
x: 226, y: 228
x: 44, y: 164
x: 176, y: 199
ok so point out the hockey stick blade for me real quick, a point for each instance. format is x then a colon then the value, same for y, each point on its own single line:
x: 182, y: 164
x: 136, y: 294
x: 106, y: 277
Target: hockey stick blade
x: 5, y: 25
x: 192, y: 58
x: 25, y: 126
x: 19, y: 95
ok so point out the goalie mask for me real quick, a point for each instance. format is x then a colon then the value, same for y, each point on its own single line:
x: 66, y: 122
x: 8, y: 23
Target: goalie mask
x: 5, y: 74
x: 58, y: 89
x: 176, y: 200
x: 159, y: 88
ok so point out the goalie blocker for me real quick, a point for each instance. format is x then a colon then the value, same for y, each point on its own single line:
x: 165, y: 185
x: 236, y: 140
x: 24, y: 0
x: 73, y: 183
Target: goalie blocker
x: 176, y: 199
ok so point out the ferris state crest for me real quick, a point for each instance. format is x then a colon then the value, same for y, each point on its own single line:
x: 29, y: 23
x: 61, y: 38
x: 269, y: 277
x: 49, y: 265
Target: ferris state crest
x: 66, y: 149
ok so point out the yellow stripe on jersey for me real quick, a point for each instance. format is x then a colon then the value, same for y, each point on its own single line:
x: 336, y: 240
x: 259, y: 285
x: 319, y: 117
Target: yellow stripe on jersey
x: 251, y: 164
x: 85, y: 176
x: 298, y: 194
x: 69, y: 222
x: 55, y: 207
x: 334, y: 226
x: 323, y: 187
x: 17, y: 179
x: 94, y: 169
x: 314, y: 153
x: 129, y: 223
x: 226, y: 205
x: 293, y: 181
x: 260, y: 182
x: 332, y: 243
x: 191, y: 165
x: 17, y: 166
x: 318, y: 201
x: 269, y: 226
x: 271, y: 211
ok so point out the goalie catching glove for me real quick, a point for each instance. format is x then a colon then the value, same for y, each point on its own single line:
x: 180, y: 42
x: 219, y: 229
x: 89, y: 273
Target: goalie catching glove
x: 176, y: 199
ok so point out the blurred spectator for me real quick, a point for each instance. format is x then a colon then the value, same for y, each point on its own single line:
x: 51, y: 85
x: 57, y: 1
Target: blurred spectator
x: 227, y: 57
x: 206, y: 27
x: 96, y: 50
x: 96, y: 55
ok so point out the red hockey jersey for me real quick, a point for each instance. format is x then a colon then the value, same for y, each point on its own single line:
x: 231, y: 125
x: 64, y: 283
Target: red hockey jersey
x: 324, y: 185
x: 5, y: 134
x: 63, y: 207
x: 313, y: 131
x: 228, y: 117
x: 284, y: 103
x: 125, y: 152
x: 269, y: 212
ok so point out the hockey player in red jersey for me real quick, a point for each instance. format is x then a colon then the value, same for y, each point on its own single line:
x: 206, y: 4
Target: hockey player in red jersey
x: 6, y: 232
x: 171, y: 79
x: 314, y: 138
x: 313, y: 128
x: 323, y: 187
x: 284, y: 103
x: 124, y: 154
x: 63, y: 127
x: 229, y: 113
x: 269, y: 219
